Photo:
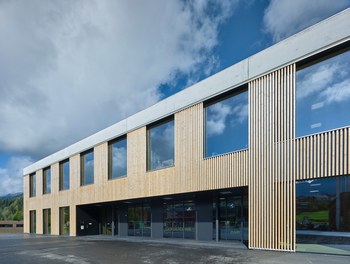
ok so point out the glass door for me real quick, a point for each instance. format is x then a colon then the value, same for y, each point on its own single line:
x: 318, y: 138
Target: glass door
x: 231, y: 218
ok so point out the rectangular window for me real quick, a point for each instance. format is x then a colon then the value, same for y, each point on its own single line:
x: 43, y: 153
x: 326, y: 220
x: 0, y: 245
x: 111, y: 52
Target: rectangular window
x: 64, y: 175
x: 64, y: 221
x: 87, y: 167
x: 322, y: 206
x: 323, y: 95
x: 32, y: 185
x: 117, y: 158
x: 47, y: 221
x: 32, y: 222
x: 46, y: 181
x: 226, y: 124
x: 160, y: 145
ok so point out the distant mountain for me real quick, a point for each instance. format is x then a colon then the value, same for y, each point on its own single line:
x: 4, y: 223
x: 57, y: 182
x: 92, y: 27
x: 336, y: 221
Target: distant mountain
x: 11, y: 207
x: 11, y: 195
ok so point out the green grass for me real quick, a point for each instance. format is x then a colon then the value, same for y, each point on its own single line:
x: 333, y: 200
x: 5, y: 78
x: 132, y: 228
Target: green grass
x: 318, y: 216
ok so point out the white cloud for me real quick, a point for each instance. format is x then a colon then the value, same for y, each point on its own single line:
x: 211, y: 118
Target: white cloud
x: 337, y: 93
x: 283, y: 18
x: 70, y: 68
x: 216, y: 122
x: 11, y: 175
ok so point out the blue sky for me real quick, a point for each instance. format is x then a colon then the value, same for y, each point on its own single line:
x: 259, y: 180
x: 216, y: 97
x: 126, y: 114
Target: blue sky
x: 69, y: 69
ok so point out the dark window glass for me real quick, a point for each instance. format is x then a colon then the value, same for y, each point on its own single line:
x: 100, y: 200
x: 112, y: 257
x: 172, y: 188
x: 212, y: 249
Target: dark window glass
x: 160, y: 145
x: 47, y: 181
x: 179, y: 219
x: 64, y: 175
x: 323, y: 95
x: 32, y: 185
x: 139, y: 220
x: 118, y: 158
x: 64, y: 221
x: 32, y: 220
x: 87, y: 168
x: 226, y: 125
x: 323, y: 205
x: 47, y: 221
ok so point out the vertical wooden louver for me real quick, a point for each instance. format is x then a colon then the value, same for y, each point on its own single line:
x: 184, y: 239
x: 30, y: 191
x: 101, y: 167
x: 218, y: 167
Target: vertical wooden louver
x: 324, y: 154
x: 271, y: 161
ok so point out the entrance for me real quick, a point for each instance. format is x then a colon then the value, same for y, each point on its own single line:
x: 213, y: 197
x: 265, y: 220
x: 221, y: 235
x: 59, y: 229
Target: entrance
x: 106, y: 220
x: 179, y: 220
x: 233, y: 212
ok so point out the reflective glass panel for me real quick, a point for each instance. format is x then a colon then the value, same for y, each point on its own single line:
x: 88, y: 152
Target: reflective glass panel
x: 118, y: 159
x: 64, y: 175
x: 32, y: 185
x: 161, y: 146
x: 64, y: 221
x: 88, y: 168
x: 47, y: 181
x: 226, y: 125
x: 323, y: 95
x: 323, y: 204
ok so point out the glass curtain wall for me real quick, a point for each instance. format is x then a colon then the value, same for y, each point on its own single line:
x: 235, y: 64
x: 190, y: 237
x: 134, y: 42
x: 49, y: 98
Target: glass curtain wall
x: 64, y: 221
x: 47, y: 221
x: 179, y: 219
x: 323, y: 205
x: 139, y: 220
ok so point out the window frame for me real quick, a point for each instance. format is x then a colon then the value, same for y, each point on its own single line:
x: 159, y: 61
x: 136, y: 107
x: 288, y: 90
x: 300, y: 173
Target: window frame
x: 309, y: 62
x: 110, y: 156
x: 82, y: 167
x: 148, y: 142
x: 32, y: 185
x: 219, y: 98
x: 45, y: 189
x: 61, y: 175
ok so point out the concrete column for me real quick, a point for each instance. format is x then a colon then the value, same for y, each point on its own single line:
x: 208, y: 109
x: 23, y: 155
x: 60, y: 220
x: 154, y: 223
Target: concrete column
x: 157, y: 219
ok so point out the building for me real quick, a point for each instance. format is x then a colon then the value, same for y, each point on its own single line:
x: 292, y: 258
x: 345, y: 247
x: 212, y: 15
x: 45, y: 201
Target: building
x: 10, y: 227
x: 259, y: 152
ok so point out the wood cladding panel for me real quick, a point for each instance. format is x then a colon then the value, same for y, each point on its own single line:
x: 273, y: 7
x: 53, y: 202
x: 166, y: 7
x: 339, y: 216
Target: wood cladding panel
x: 323, y: 155
x: 271, y: 161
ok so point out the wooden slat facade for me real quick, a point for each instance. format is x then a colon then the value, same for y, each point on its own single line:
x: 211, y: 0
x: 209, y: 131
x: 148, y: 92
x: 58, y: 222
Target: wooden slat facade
x: 274, y: 161
x: 271, y: 161
x: 323, y: 155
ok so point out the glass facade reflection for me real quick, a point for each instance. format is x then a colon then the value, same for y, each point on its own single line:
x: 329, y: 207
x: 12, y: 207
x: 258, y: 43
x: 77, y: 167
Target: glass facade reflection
x: 32, y: 220
x: 118, y: 158
x: 139, y: 220
x: 47, y: 221
x: 323, y: 95
x: 32, y: 185
x: 47, y: 181
x: 64, y: 175
x: 160, y: 145
x: 64, y: 221
x: 179, y: 219
x: 87, y: 168
x: 323, y: 204
x: 226, y: 125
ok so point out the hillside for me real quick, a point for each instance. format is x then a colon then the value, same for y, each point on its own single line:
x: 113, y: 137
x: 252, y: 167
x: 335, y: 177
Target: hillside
x: 11, y: 207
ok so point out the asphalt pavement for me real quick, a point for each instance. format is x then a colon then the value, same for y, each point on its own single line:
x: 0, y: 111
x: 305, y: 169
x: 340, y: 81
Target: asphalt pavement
x: 25, y: 248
